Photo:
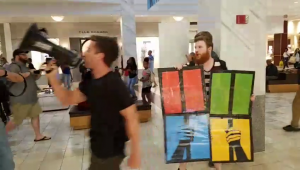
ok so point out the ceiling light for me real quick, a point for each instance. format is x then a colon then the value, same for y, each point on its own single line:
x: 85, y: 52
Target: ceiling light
x: 57, y: 18
x: 178, y: 18
x: 296, y: 2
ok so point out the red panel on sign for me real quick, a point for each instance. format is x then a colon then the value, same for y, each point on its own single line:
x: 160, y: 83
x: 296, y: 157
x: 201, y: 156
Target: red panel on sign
x: 242, y: 19
x: 193, y: 90
x: 171, y: 92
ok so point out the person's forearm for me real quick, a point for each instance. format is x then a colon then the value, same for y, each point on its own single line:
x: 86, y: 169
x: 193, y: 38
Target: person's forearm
x: 133, y: 132
x: 61, y: 93
x: 14, y: 77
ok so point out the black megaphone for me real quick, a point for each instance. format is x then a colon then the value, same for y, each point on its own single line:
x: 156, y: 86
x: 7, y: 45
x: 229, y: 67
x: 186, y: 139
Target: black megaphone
x: 35, y: 41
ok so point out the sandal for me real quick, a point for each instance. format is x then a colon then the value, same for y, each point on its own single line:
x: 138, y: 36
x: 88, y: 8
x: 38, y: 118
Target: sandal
x: 43, y: 139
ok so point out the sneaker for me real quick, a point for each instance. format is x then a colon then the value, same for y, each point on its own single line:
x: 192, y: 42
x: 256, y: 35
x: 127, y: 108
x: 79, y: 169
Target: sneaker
x: 290, y: 128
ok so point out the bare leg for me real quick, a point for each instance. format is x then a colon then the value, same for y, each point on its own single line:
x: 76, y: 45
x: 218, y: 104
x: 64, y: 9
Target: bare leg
x: 35, y: 122
x: 10, y: 126
x: 149, y: 98
x: 144, y: 99
x: 218, y: 166
x: 182, y: 166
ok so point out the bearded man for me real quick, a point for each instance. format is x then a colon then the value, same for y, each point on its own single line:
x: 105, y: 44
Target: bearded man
x: 203, y: 48
x: 27, y: 104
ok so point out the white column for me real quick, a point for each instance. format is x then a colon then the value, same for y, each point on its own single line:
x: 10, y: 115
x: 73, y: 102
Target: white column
x: 173, y: 43
x: 209, y: 19
x: 128, y: 30
x: 6, y: 43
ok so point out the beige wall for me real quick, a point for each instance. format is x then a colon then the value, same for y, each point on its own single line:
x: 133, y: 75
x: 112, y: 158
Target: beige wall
x: 64, y: 31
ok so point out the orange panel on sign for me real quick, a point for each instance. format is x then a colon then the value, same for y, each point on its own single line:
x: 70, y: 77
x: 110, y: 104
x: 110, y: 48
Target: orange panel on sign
x: 171, y: 95
x: 193, y: 90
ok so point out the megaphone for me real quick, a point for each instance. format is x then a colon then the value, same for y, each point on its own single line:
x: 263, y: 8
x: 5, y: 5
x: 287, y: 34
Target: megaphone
x: 35, y: 41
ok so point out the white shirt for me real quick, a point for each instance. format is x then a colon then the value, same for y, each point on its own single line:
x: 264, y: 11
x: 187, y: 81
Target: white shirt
x: 285, y: 55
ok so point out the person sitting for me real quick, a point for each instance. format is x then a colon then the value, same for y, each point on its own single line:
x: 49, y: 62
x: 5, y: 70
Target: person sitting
x: 271, y: 73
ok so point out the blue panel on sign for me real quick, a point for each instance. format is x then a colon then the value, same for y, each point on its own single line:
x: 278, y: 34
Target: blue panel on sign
x: 151, y: 3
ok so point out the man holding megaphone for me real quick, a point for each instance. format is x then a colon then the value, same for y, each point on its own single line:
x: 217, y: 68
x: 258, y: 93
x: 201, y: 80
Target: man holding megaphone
x: 113, y: 112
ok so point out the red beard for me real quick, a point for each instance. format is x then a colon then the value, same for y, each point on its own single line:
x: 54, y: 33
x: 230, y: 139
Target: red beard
x: 201, y: 58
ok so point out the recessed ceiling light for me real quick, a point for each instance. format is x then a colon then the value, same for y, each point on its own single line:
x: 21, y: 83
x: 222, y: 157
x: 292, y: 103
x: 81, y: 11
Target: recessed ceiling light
x: 177, y: 18
x: 296, y: 2
x: 57, y: 18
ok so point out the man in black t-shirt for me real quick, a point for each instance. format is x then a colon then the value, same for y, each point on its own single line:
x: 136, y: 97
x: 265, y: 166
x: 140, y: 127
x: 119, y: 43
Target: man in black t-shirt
x: 113, y: 112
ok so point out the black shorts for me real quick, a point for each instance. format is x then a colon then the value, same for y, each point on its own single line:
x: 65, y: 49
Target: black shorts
x: 146, y: 90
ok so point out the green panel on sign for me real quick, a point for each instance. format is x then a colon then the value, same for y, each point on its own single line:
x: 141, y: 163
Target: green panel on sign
x: 220, y: 91
x: 242, y: 94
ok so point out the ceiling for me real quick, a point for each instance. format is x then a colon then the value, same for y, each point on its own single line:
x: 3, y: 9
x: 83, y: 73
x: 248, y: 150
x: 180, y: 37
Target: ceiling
x: 94, y: 10
x: 111, y: 18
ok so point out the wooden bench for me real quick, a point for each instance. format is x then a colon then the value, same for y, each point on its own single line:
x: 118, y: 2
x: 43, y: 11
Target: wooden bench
x: 144, y: 111
x: 283, y: 88
x: 286, y: 82
x: 79, y: 119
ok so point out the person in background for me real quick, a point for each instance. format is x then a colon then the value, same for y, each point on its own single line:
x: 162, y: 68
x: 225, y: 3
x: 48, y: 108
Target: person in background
x: 294, y: 126
x: 27, y: 104
x: 151, y: 66
x: 6, y: 156
x: 190, y: 59
x: 4, y: 62
x: 297, y: 58
x: 286, y: 59
x: 67, y: 76
x: 271, y: 73
x: 30, y: 65
x: 132, y: 70
x: 146, y: 79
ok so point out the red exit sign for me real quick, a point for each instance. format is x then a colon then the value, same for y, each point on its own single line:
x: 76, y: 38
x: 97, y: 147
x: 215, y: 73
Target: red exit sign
x: 242, y: 19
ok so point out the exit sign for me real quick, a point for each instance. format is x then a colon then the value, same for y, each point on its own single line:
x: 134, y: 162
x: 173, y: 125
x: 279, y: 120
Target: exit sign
x: 242, y: 19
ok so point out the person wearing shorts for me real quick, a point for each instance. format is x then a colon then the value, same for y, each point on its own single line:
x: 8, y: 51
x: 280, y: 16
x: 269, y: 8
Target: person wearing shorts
x: 25, y: 105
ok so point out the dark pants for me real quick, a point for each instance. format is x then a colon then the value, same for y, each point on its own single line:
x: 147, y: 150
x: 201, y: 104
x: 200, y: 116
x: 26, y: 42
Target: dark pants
x: 286, y: 62
x: 106, y: 164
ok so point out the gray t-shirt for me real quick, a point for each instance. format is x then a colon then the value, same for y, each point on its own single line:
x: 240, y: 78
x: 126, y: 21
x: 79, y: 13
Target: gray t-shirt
x: 147, y: 76
x: 30, y: 94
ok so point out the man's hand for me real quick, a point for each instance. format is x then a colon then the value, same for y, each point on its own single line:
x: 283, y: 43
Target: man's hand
x: 134, y: 162
x: 252, y: 98
x: 179, y: 67
x: 2, y: 72
x: 53, y: 68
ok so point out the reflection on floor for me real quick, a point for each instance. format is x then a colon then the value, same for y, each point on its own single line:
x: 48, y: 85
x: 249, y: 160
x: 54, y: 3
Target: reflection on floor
x: 69, y: 150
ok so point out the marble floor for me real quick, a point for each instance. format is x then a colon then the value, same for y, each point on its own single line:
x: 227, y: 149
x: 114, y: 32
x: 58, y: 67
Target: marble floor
x: 69, y: 150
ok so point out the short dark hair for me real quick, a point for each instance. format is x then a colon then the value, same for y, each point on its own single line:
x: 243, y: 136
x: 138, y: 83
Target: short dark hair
x: 146, y: 59
x: 108, y: 46
x: 206, y: 37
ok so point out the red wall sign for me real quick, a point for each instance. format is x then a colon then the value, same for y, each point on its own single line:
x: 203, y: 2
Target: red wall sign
x: 242, y: 19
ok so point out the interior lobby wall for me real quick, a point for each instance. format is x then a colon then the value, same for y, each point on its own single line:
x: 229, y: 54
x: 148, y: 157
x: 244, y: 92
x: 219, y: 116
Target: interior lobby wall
x: 64, y: 31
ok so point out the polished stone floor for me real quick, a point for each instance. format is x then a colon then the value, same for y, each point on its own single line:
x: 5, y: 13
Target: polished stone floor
x: 69, y: 150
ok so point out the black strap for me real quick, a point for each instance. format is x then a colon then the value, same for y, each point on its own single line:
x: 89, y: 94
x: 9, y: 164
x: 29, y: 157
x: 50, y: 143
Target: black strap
x: 24, y: 81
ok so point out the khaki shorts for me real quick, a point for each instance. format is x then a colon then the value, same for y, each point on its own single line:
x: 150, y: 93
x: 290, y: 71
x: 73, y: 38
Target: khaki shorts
x: 22, y: 111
